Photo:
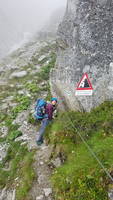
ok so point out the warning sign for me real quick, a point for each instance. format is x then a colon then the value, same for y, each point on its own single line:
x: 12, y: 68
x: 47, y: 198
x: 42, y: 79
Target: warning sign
x: 84, y: 87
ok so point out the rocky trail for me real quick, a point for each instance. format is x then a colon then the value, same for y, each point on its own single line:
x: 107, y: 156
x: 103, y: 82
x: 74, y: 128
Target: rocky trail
x: 19, y: 90
x: 41, y: 189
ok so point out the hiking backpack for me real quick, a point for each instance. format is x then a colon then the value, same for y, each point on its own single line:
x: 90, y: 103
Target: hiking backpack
x: 40, y: 109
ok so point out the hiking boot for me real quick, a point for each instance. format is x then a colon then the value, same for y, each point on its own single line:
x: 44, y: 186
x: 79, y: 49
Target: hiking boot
x: 38, y: 143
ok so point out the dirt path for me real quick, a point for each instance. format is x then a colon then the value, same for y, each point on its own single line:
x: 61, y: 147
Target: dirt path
x: 41, y: 189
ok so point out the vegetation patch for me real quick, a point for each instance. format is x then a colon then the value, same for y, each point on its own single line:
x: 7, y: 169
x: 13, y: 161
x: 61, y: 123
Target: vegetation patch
x: 23, y: 104
x: 2, y: 117
x: 80, y: 176
x: 16, y: 169
x: 21, y: 173
x: 32, y: 87
x: 45, y: 70
x: 14, y: 134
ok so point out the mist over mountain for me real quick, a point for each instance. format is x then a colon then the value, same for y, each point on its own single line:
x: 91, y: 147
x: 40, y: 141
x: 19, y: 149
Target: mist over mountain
x: 19, y: 20
x: 54, y: 20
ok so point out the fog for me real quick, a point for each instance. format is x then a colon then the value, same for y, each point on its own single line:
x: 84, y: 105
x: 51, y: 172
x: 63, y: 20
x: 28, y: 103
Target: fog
x: 21, y: 18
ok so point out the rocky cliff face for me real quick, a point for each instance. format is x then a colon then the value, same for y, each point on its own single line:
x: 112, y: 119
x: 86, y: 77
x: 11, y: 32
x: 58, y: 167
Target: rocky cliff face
x: 85, y: 44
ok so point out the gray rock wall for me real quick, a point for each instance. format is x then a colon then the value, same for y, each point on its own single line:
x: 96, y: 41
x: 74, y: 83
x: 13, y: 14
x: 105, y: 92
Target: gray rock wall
x: 85, y: 44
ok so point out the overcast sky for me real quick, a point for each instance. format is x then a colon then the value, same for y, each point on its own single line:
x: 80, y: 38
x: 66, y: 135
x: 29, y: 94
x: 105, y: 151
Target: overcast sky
x: 29, y: 13
x: 19, y: 19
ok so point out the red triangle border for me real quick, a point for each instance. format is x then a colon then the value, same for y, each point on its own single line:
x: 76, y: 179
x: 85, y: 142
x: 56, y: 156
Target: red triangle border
x: 89, y: 88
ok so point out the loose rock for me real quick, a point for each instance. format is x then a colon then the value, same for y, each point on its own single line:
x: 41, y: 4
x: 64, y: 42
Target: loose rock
x: 47, y: 191
x: 56, y: 162
x: 18, y: 74
x: 41, y: 197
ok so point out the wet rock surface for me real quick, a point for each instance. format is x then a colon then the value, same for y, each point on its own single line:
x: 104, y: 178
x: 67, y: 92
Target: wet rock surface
x: 85, y: 40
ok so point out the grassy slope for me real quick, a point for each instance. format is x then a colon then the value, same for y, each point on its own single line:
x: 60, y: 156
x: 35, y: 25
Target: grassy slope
x: 80, y: 177
x: 16, y: 170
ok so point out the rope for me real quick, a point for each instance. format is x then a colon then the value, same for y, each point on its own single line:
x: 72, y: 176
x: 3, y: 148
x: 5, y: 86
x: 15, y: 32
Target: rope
x: 90, y: 150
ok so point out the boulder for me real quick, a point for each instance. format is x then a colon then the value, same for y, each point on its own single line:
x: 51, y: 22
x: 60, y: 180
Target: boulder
x: 41, y: 197
x: 47, y: 191
x: 85, y: 45
x: 3, y: 151
x: 3, y: 131
x: 7, y: 194
x: 18, y: 74
x: 57, y: 162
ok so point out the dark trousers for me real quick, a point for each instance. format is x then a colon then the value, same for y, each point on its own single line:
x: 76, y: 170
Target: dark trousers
x: 44, y: 124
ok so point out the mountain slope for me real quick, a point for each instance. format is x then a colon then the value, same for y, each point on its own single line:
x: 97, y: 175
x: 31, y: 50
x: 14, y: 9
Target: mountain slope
x: 24, y: 77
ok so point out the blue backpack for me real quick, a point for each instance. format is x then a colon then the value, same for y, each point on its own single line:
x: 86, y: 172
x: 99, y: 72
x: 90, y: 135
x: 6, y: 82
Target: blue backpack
x: 40, y: 109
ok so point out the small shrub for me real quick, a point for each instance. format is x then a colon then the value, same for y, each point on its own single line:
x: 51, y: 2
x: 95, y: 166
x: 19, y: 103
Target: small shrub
x: 24, y: 103
x: 3, y: 116
x: 33, y: 87
x: 14, y: 134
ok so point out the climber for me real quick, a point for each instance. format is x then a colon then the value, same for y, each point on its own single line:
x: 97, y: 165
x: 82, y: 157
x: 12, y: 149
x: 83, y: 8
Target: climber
x: 49, y: 110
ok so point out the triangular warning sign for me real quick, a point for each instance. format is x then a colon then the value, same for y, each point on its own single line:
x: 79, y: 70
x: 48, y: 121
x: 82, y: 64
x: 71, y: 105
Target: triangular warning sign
x: 84, y: 87
x: 84, y: 83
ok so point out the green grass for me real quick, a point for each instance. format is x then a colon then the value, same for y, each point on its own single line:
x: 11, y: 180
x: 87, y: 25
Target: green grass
x: 16, y: 169
x: 27, y: 176
x: 81, y: 177
x: 21, y: 167
x: 32, y: 87
x: 2, y: 117
x: 14, y: 134
x: 23, y: 103
x: 45, y: 70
